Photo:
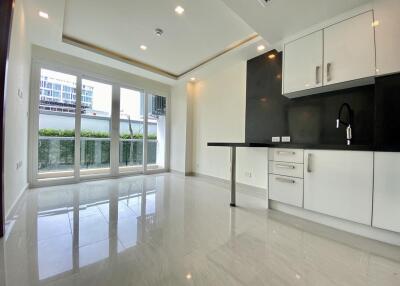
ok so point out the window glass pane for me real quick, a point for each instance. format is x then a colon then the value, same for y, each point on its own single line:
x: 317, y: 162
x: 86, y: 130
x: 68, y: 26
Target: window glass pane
x: 56, y: 124
x: 131, y: 129
x: 156, y: 132
x: 95, y: 125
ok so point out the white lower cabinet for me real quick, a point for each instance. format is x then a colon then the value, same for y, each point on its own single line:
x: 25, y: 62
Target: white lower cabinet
x: 287, y: 190
x: 387, y: 191
x: 339, y: 183
x: 285, y: 168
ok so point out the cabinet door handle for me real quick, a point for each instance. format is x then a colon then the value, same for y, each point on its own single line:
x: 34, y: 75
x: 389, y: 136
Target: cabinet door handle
x: 317, y: 70
x: 283, y: 180
x: 286, y: 153
x: 309, y: 163
x: 283, y: 166
x: 328, y: 71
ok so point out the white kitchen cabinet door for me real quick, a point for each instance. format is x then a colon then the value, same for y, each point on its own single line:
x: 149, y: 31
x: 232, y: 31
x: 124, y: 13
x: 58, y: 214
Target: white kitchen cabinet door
x: 339, y: 183
x: 387, y: 191
x: 286, y: 190
x: 387, y: 36
x: 303, y: 63
x: 349, y: 50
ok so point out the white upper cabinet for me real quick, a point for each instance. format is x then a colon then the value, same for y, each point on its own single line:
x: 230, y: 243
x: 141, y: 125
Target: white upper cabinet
x: 341, y: 53
x: 387, y: 35
x: 387, y: 191
x: 349, y: 50
x: 339, y: 183
x: 303, y: 63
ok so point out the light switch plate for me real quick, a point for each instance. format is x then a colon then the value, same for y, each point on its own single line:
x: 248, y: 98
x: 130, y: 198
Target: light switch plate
x: 286, y: 139
x: 276, y: 139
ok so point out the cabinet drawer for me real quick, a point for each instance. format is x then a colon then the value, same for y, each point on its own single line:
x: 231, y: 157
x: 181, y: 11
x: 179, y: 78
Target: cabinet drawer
x: 285, y: 155
x: 287, y: 190
x: 286, y: 169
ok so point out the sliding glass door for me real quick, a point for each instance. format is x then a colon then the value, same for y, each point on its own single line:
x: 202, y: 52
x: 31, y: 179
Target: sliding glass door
x: 95, y: 135
x: 156, y: 131
x: 56, y: 131
x: 131, y: 130
x: 83, y: 127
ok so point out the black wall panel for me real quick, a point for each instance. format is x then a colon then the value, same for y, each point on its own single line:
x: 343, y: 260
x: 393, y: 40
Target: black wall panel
x: 387, y: 115
x: 309, y: 120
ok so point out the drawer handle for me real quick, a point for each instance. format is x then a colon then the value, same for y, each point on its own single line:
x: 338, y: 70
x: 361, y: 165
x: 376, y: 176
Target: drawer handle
x: 328, y: 72
x: 317, y: 72
x: 283, y: 180
x: 282, y: 166
x: 286, y: 153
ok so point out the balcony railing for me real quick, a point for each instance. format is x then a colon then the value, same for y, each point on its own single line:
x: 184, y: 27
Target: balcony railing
x: 57, y: 153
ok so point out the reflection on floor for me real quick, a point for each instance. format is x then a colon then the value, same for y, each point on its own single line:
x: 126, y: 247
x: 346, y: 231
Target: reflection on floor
x: 174, y: 230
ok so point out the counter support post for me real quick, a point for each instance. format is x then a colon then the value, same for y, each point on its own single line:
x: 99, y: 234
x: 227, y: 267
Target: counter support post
x: 233, y: 176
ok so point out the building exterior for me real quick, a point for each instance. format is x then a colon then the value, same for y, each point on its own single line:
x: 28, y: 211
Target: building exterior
x: 59, y: 94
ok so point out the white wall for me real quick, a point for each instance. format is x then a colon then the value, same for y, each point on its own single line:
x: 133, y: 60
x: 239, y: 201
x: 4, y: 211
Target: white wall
x: 16, y: 115
x: 219, y: 104
x: 179, y: 101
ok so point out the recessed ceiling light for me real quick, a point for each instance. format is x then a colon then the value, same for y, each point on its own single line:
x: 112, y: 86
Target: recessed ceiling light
x: 179, y: 10
x: 261, y: 48
x: 271, y: 56
x: 43, y: 15
x: 375, y: 23
x: 143, y: 47
x: 192, y: 79
x: 188, y: 276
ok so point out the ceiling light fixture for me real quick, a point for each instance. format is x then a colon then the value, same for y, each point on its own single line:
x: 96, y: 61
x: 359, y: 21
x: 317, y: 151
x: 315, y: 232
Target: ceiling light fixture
x: 179, y: 10
x: 375, y: 23
x: 43, y: 15
x: 158, y: 32
x: 143, y: 47
x: 261, y: 48
x: 271, y: 56
x: 192, y: 79
x: 188, y: 276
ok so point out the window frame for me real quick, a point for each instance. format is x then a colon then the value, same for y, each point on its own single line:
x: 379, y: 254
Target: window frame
x: 37, y: 179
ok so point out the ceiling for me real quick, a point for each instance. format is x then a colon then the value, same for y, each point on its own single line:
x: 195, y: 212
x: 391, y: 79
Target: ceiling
x: 279, y: 19
x: 206, y: 28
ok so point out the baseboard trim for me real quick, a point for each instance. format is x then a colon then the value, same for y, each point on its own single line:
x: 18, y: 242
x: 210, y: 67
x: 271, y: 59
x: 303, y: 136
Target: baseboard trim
x: 180, y: 172
x: 240, y: 187
x: 12, y: 209
x: 337, y: 223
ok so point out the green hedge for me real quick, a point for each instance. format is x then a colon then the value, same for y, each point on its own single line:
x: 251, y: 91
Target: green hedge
x: 49, y: 132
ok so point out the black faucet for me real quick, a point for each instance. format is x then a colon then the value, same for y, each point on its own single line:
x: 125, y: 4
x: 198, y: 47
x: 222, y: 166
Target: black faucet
x: 348, y: 124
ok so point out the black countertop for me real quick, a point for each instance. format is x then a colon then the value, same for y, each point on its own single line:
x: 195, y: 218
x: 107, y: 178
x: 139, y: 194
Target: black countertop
x: 292, y: 145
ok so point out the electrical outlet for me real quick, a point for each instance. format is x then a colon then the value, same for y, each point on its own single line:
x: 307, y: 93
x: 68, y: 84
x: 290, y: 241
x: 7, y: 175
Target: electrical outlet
x: 19, y: 165
x: 276, y: 139
x: 20, y: 93
x: 248, y: 174
x: 286, y: 139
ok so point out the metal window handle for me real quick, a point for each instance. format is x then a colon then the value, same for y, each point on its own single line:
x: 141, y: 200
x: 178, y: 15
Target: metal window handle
x: 283, y: 180
x: 317, y: 71
x: 309, y: 163
x: 286, y: 153
x: 282, y: 166
x: 328, y: 71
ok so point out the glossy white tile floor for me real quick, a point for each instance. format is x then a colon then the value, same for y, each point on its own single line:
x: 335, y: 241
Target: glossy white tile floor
x: 172, y: 230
